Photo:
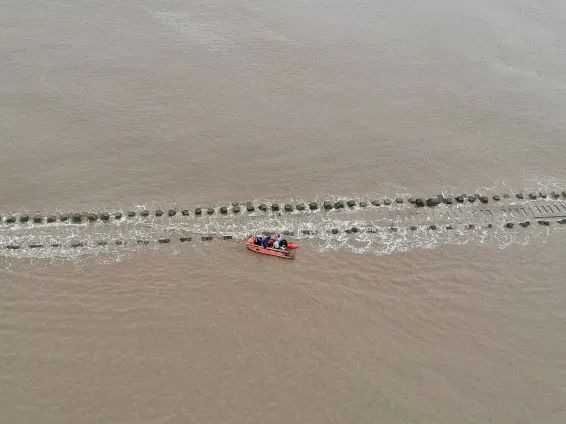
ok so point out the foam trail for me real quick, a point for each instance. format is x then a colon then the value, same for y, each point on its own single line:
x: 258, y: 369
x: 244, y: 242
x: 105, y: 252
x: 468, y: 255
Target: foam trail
x: 367, y: 225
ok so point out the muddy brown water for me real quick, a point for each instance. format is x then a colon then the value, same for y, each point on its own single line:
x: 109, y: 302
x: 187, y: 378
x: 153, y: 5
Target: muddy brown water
x: 118, y: 105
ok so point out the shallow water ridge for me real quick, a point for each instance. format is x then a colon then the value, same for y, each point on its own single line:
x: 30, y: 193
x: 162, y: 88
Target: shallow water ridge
x: 370, y: 225
x: 415, y: 150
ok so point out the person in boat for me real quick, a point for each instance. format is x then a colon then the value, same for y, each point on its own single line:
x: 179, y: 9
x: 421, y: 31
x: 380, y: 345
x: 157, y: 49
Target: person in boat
x: 281, y: 242
x: 259, y: 239
x: 265, y: 242
x: 277, y: 242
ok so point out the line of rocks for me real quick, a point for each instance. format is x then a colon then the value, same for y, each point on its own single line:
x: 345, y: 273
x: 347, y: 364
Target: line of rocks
x: 237, y: 208
x: 79, y: 244
x: 471, y: 198
x: 334, y: 231
x: 433, y: 227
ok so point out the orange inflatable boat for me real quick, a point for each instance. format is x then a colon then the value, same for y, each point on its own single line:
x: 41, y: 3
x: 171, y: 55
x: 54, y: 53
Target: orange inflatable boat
x: 286, y: 254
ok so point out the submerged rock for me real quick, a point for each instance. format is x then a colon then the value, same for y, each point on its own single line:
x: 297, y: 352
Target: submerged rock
x: 432, y: 202
x: 339, y: 205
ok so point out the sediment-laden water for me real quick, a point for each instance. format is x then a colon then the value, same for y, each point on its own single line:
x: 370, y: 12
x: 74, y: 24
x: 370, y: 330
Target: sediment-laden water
x: 430, y: 310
